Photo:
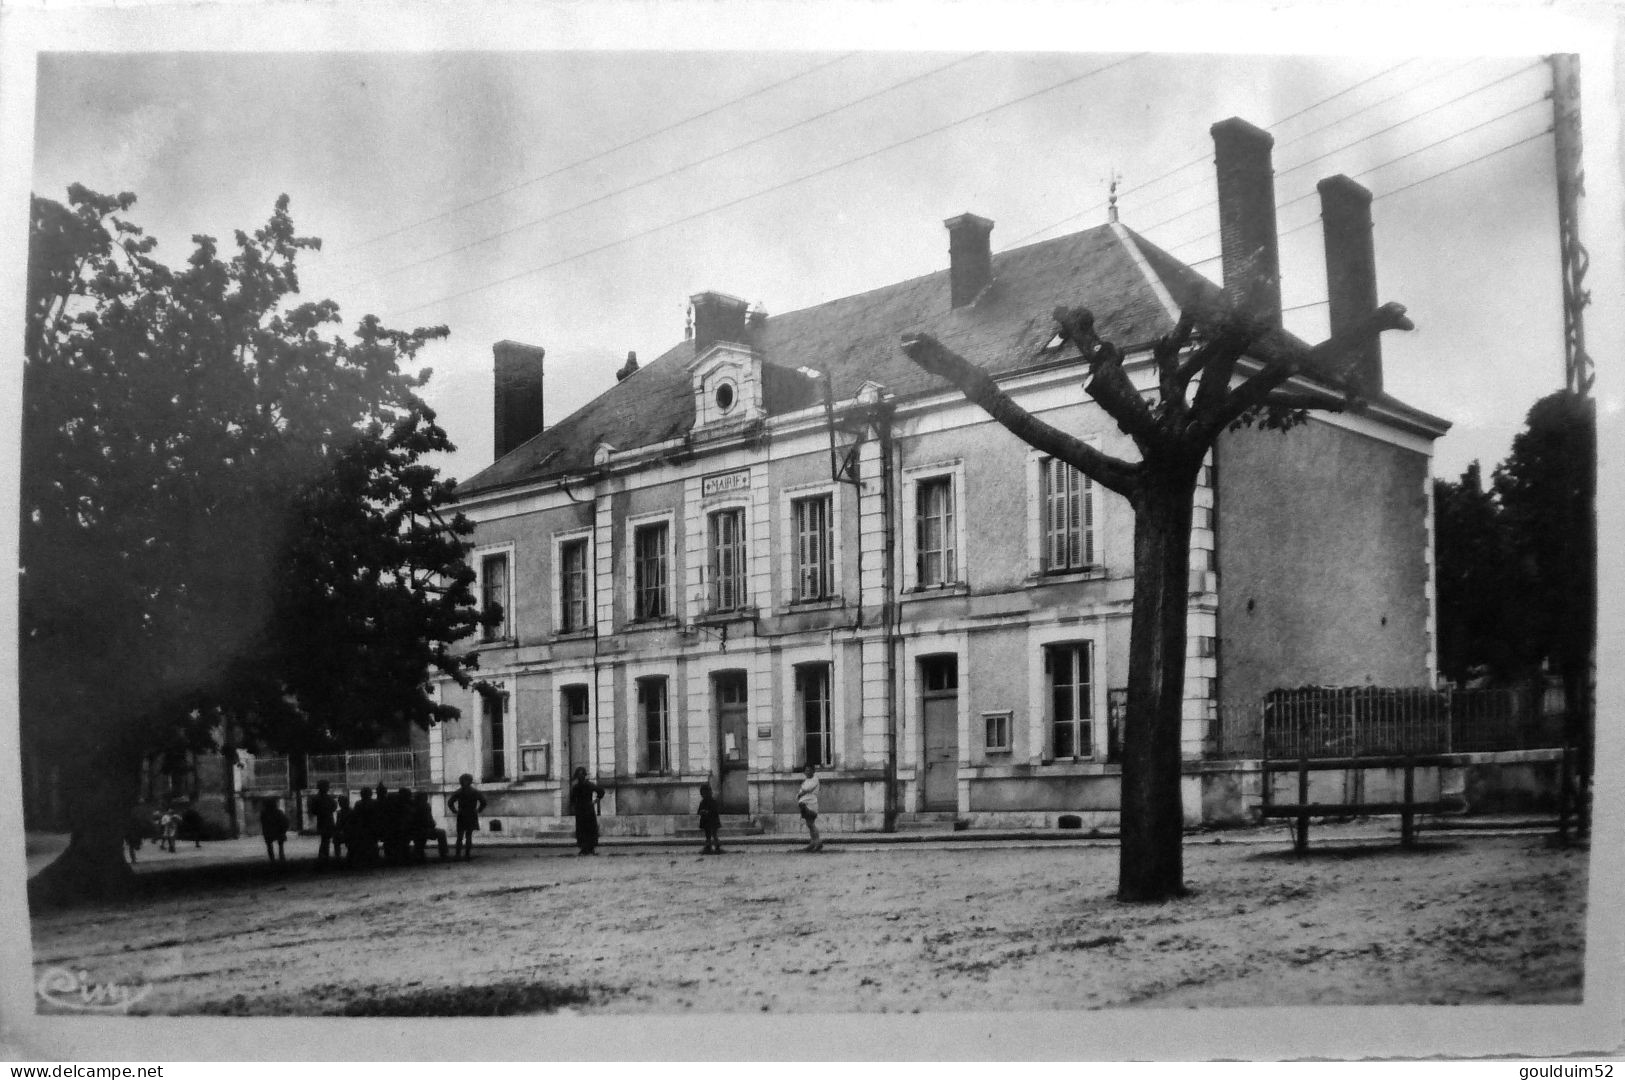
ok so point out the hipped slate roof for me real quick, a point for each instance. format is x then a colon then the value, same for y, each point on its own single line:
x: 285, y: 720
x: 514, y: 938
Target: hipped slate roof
x: 856, y: 339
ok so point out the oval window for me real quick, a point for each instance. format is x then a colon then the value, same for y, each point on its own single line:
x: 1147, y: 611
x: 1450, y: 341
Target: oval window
x: 725, y: 396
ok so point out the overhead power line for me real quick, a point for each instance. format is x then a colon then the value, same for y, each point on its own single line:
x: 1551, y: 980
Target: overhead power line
x: 579, y: 162
x: 1204, y: 157
x: 605, y: 196
x: 774, y: 188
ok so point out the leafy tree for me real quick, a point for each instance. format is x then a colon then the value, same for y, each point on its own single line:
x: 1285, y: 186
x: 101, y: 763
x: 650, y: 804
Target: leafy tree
x: 1480, y: 630
x: 1172, y: 432
x: 193, y: 447
x: 1547, y: 488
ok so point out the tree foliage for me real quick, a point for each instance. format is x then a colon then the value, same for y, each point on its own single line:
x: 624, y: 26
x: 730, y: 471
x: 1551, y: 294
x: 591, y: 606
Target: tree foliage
x: 218, y: 491
x: 1479, y: 630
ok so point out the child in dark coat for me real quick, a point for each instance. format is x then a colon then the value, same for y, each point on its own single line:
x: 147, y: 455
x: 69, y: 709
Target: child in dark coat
x: 274, y: 827
x: 710, y: 821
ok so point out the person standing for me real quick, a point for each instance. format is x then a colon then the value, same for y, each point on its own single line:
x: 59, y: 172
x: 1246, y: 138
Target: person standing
x: 807, y: 802
x: 323, y: 809
x: 584, y: 796
x: 710, y: 821
x: 466, y: 803
x: 274, y: 827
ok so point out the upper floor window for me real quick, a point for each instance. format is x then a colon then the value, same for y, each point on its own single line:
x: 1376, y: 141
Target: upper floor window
x: 1069, y: 518
x: 812, y: 524
x: 573, y: 591
x: 727, y: 559
x: 1071, y: 670
x: 935, y: 557
x: 494, y: 595
x: 650, y: 588
x: 812, y: 694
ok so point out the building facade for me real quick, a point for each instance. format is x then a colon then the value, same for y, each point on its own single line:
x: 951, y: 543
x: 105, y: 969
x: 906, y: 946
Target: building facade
x: 781, y: 543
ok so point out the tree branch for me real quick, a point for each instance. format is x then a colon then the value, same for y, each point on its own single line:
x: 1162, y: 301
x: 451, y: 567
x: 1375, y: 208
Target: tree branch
x: 1108, y: 384
x: 980, y: 389
x: 1284, y: 358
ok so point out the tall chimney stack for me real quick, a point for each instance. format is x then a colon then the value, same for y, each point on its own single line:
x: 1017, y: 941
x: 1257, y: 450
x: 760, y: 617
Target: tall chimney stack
x: 970, y: 258
x: 1351, y: 270
x: 718, y: 317
x: 1247, y: 237
x: 518, y: 396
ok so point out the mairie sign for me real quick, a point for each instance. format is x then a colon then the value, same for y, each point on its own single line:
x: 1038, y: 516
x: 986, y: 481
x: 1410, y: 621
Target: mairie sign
x: 722, y: 483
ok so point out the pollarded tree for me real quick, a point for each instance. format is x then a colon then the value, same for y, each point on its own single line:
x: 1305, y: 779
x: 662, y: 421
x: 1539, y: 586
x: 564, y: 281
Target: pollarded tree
x: 183, y: 429
x: 1211, y: 347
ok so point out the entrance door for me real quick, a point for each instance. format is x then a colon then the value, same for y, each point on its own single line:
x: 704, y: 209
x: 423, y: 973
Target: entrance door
x: 577, y: 723
x: 939, y: 692
x: 733, y: 743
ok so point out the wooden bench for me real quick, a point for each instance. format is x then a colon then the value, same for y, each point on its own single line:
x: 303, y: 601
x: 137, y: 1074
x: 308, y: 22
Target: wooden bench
x: 1407, y: 808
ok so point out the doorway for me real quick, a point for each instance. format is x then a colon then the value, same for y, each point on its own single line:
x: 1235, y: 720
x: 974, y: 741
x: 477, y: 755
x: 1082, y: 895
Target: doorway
x: 578, y: 727
x: 939, y: 710
x: 733, y: 741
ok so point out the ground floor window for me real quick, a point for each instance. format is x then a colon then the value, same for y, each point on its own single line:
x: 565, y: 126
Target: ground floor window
x: 495, y: 758
x: 1070, y: 671
x: 656, y: 725
x: 812, y: 694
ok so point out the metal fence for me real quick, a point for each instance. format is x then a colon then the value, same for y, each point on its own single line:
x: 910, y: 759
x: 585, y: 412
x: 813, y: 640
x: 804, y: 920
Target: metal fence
x: 1363, y: 721
x: 368, y: 768
x: 266, y: 773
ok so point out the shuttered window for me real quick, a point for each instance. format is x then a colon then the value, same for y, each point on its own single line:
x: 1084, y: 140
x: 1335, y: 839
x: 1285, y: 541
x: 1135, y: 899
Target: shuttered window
x: 727, y: 550
x: 812, y: 521
x: 1069, y: 518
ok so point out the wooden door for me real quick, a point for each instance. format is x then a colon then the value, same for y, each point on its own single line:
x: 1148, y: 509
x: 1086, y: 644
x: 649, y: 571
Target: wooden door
x: 733, y: 742
x: 939, y: 681
x: 579, y: 726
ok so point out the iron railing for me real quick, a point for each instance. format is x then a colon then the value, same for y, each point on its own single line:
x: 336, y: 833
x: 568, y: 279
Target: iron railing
x: 1366, y: 721
x: 368, y: 768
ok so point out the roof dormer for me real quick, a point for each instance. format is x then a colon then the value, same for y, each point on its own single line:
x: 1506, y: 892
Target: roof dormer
x: 726, y: 372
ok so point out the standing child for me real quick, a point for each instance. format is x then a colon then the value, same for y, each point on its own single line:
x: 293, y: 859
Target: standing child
x: 807, y: 801
x: 169, y: 823
x: 274, y: 827
x: 466, y: 803
x: 323, y: 808
x: 710, y: 821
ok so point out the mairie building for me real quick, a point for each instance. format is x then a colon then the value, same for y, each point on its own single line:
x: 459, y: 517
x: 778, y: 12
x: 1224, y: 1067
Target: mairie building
x: 782, y: 543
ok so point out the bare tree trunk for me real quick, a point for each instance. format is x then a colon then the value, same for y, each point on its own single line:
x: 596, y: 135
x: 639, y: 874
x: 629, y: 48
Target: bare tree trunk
x: 1151, y: 859
x: 100, y: 800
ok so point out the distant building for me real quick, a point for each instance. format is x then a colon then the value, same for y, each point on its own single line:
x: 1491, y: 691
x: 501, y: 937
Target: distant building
x: 781, y: 542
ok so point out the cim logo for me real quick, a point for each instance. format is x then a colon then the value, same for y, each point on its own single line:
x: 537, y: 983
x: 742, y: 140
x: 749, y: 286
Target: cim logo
x: 78, y: 991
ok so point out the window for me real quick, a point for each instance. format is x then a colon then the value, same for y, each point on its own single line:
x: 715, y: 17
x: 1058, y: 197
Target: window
x: 1069, y: 520
x: 939, y: 674
x: 573, y: 586
x: 651, y: 596
x: 997, y: 729
x: 533, y: 760
x: 495, y: 759
x: 727, y: 558
x: 812, y: 692
x: 1071, y: 700
x: 812, y: 523
x: 494, y: 595
x: 656, y: 725
x: 934, y: 532
x: 1116, y: 716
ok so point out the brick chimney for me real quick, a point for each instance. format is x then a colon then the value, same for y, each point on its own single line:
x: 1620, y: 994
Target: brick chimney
x: 1351, y: 269
x: 718, y: 317
x: 970, y: 259
x: 518, y: 395
x: 1248, y: 241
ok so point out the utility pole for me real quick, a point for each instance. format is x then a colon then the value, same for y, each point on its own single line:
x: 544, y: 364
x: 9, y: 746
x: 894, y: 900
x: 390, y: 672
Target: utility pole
x: 1577, y: 369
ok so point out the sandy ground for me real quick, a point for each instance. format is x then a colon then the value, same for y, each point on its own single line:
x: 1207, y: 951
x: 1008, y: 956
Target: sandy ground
x: 873, y: 928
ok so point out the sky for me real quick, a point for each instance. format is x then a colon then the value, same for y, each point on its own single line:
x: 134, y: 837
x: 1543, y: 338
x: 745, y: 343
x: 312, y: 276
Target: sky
x: 575, y: 199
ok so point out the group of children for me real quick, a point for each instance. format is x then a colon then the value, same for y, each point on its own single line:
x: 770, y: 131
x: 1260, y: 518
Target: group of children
x: 391, y: 827
x: 806, y: 804
x: 165, y: 825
